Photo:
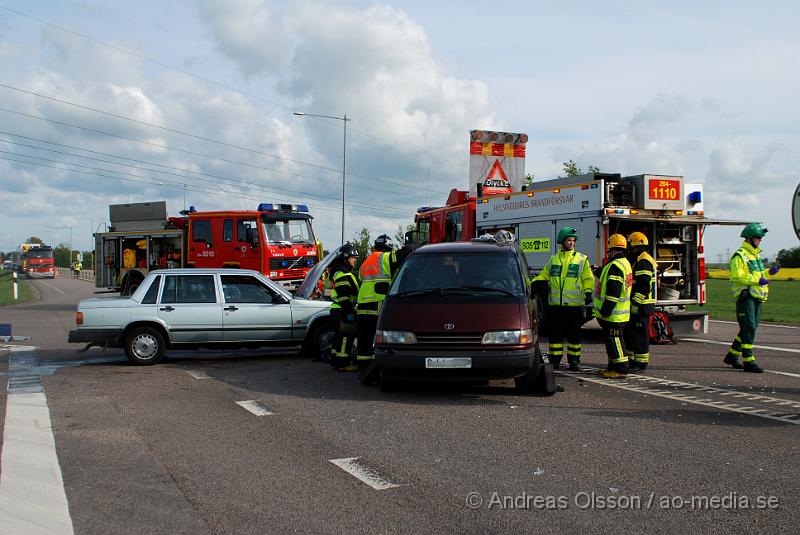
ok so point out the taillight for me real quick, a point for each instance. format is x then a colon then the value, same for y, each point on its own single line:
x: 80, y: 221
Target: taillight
x: 702, y: 269
x: 79, y: 318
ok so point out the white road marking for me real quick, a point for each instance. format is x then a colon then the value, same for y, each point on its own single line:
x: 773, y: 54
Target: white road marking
x: 32, y: 496
x: 760, y: 324
x: 783, y: 373
x: 198, y: 374
x: 771, y: 348
x: 363, y: 474
x: 59, y: 290
x: 255, y: 407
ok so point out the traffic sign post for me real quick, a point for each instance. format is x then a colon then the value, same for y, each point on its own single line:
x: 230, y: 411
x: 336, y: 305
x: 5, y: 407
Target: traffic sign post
x: 16, y: 293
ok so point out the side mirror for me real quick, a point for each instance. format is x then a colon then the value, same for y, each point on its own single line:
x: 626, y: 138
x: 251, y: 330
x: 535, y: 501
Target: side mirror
x: 382, y: 288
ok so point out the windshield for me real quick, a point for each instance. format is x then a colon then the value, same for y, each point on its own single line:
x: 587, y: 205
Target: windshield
x: 288, y: 231
x: 40, y: 254
x: 476, y: 273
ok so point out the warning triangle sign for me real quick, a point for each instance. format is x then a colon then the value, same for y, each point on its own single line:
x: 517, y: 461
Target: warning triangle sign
x: 494, y: 183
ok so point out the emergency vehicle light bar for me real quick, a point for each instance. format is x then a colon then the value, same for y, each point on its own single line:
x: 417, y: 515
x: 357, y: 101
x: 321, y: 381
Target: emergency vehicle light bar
x: 270, y: 207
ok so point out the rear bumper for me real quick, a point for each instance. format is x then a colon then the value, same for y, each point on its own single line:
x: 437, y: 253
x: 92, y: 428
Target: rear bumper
x: 486, y: 365
x: 98, y: 336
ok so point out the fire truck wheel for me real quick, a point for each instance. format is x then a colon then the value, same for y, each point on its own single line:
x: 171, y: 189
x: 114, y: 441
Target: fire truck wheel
x: 144, y: 346
x: 317, y: 344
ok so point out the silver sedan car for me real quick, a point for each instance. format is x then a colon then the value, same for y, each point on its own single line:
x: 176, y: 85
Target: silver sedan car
x: 215, y: 308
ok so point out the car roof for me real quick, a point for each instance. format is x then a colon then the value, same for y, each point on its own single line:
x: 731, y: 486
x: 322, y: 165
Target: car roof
x: 475, y: 246
x: 205, y: 271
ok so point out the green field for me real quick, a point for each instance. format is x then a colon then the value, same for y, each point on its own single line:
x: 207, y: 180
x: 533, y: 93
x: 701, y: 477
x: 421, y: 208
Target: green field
x: 781, y: 307
x: 7, y: 289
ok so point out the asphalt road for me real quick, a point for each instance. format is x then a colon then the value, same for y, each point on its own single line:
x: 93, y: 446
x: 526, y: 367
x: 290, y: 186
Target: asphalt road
x: 690, y: 445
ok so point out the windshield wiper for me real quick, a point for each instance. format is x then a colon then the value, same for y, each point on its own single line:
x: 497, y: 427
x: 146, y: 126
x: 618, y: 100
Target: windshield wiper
x: 414, y: 293
x: 482, y: 289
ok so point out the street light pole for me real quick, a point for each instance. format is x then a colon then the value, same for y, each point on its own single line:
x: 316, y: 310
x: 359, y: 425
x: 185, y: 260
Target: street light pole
x: 344, y: 119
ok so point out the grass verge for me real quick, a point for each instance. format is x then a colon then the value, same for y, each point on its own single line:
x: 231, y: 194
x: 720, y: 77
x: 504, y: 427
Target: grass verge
x: 7, y: 289
x: 781, y: 307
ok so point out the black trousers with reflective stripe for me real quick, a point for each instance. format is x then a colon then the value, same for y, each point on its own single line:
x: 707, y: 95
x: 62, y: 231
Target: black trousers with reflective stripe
x: 564, y: 322
x: 615, y: 346
x: 342, y: 343
x: 366, y: 338
x: 637, y: 337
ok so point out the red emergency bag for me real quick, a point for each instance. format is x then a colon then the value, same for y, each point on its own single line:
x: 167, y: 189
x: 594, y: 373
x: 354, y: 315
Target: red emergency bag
x: 660, y: 331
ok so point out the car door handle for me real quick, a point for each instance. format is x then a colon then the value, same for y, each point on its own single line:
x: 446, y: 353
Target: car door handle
x: 231, y: 308
x: 167, y: 309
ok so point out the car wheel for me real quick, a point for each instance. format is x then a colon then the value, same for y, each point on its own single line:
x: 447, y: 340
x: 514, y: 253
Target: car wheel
x: 144, y: 346
x: 318, y: 343
x: 540, y: 378
x: 387, y: 383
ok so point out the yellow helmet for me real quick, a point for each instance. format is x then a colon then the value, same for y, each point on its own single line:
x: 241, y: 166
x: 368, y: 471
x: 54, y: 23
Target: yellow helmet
x: 637, y: 238
x: 617, y: 240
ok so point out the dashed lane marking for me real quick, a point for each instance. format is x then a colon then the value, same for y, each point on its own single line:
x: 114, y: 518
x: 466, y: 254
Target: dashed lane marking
x: 760, y: 324
x: 789, y: 410
x: 254, y: 406
x: 717, y: 342
x: 32, y: 496
x: 363, y: 473
x: 783, y: 373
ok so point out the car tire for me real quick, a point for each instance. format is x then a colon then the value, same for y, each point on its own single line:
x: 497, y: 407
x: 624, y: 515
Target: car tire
x: 540, y: 378
x: 387, y: 383
x: 317, y: 344
x: 145, y: 346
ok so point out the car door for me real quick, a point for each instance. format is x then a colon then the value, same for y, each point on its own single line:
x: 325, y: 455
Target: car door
x: 190, y: 308
x: 254, y: 311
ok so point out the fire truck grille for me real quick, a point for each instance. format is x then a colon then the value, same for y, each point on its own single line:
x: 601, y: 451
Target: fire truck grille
x: 454, y: 339
x: 291, y: 263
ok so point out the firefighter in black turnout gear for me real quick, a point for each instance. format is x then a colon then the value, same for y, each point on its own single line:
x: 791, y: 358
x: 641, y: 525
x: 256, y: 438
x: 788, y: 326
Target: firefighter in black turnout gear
x: 637, y: 332
x: 343, y: 309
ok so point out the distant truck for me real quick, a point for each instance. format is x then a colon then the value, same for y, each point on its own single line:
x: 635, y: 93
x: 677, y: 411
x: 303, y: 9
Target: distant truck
x: 275, y: 239
x: 666, y: 209
x: 37, y: 261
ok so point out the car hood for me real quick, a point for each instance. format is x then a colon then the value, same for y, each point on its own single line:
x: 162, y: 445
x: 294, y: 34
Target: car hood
x: 464, y: 318
x: 110, y: 302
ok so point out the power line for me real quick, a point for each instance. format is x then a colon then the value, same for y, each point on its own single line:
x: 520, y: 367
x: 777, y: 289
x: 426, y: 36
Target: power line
x: 177, y: 69
x: 38, y: 140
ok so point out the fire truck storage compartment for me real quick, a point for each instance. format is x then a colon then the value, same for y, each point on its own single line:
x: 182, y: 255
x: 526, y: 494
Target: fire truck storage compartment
x: 673, y: 245
x: 143, y: 252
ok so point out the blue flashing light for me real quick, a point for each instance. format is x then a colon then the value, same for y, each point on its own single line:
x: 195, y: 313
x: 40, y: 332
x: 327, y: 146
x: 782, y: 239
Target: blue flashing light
x: 695, y: 197
x: 691, y: 212
x: 310, y: 262
x: 264, y: 207
x: 302, y: 208
x: 593, y: 186
x: 192, y: 209
x: 284, y: 263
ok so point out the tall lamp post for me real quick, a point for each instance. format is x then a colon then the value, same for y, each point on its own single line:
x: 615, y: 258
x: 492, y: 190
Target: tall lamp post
x: 344, y: 120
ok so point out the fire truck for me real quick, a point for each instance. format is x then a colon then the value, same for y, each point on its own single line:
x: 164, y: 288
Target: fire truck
x: 274, y: 239
x: 665, y: 208
x: 37, y: 261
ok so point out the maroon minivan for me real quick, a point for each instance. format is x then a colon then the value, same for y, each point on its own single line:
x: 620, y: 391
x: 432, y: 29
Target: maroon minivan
x: 462, y: 311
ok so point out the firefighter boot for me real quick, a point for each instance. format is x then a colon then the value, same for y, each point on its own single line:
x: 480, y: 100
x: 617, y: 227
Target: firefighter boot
x: 752, y: 367
x: 611, y: 374
x: 575, y: 365
x: 733, y: 361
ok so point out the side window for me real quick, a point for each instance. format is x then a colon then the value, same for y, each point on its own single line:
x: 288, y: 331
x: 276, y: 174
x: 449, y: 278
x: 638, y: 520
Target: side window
x: 247, y: 231
x: 201, y: 231
x: 246, y: 289
x: 453, y: 226
x: 424, y: 231
x: 189, y: 289
x: 152, y: 293
x: 227, y: 230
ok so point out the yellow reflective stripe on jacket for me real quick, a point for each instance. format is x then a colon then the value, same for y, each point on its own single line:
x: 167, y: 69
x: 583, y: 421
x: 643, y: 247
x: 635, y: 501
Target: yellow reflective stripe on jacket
x: 566, y: 273
x: 650, y: 271
x: 345, y: 288
x: 747, y: 268
x: 622, y: 309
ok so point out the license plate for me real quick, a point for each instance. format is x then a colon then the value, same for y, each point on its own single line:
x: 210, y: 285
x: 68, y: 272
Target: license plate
x: 448, y: 362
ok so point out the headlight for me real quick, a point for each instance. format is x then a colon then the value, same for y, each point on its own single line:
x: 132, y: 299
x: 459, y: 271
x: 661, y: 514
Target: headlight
x: 395, y: 337
x: 525, y: 336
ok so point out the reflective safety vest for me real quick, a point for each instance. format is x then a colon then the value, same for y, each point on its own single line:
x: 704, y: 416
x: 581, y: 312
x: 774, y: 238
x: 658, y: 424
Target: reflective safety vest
x: 569, y: 276
x: 345, y: 289
x: 375, y: 269
x: 622, y: 309
x: 747, y: 268
x: 645, y: 265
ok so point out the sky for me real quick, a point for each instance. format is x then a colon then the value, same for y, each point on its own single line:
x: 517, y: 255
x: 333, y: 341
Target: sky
x: 107, y: 102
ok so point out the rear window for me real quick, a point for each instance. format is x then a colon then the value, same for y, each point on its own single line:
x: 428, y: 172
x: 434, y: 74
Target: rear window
x: 498, y: 271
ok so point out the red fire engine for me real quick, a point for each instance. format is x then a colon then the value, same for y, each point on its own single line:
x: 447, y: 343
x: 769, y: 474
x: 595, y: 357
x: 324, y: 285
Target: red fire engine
x: 275, y: 239
x: 37, y: 261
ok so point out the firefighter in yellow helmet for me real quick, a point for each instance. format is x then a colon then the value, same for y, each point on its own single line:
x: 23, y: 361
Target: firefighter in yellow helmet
x: 569, y: 283
x: 750, y: 289
x: 643, y: 302
x: 612, y: 305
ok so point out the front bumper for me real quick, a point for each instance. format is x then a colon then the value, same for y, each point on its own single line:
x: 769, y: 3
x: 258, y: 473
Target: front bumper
x: 97, y: 336
x: 486, y: 365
